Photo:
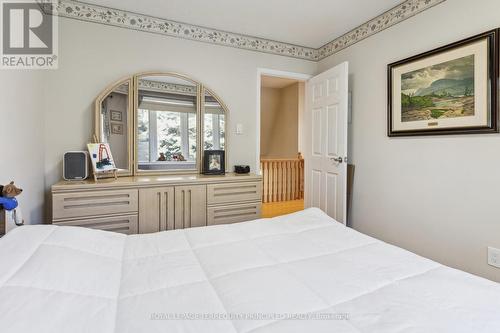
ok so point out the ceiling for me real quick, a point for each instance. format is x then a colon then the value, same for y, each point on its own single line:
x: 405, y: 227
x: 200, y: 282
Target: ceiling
x: 275, y: 82
x: 311, y: 23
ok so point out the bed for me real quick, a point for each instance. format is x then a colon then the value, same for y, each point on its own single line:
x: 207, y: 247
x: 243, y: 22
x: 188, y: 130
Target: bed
x: 302, y: 272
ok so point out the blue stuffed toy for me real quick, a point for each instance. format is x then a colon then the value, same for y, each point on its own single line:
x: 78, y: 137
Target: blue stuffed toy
x: 7, y: 196
x: 8, y: 203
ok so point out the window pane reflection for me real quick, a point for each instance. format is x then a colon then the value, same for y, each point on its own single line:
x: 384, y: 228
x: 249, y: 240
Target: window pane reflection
x: 214, y: 124
x: 167, y: 124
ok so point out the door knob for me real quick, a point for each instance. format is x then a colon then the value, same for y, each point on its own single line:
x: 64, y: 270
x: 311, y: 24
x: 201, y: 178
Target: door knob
x: 337, y: 159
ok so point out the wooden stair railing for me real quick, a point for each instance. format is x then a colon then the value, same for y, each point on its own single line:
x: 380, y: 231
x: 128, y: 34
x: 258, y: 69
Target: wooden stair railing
x: 283, y: 179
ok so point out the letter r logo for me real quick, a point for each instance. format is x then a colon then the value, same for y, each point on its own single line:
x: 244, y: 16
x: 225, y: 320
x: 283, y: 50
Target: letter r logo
x: 26, y: 29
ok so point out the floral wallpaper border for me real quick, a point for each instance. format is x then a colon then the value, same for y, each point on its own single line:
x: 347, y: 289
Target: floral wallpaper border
x: 120, y: 18
x: 167, y: 87
x: 393, y: 16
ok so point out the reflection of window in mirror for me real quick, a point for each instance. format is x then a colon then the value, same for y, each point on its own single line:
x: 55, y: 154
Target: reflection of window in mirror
x: 214, y: 124
x: 114, y: 124
x: 166, y: 120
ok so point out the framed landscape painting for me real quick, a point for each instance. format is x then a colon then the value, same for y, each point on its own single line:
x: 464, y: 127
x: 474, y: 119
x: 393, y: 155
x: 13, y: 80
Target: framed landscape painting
x: 450, y: 90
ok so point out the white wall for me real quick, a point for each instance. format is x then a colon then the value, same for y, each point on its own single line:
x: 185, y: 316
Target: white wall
x: 436, y: 196
x: 21, y: 138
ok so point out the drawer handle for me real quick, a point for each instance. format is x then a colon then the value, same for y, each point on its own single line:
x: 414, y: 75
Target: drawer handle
x: 114, y: 224
x: 234, y: 187
x: 98, y: 197
x: 222, y: 210
x: 101, y: 204
x: 234, y: 193
x: 121, y: 230
x: 235, y: 215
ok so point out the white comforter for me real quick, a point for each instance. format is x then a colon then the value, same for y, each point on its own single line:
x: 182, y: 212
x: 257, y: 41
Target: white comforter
x: 248, y: 277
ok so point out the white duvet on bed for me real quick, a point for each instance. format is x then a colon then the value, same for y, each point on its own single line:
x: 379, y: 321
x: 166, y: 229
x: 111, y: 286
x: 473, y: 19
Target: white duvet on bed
x: 258, y: 273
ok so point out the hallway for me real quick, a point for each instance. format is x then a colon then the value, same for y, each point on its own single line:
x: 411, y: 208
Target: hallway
x: 272, y: 209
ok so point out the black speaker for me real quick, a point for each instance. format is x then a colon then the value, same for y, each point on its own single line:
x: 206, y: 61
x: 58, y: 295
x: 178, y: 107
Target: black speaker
x: 75, y: 165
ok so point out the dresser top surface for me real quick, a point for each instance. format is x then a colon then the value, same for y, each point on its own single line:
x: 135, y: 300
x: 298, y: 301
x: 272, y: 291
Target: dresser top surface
x: 145, y: 181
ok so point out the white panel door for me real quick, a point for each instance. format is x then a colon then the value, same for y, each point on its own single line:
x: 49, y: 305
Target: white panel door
x: 325, y: 138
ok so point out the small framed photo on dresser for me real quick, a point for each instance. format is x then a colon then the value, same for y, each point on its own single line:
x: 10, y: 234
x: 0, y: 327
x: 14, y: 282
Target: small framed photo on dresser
x: 214, y: 162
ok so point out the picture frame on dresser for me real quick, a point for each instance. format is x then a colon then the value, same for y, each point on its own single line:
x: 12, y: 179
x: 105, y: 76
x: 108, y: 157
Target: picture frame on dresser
x: 102, y: 160
x: 214, y: 162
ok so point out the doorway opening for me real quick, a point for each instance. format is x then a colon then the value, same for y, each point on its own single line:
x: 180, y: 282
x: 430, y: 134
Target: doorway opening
x: 282, y: 103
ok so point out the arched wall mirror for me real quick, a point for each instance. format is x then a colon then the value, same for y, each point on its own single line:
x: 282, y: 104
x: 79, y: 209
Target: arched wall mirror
x: 158, y: 123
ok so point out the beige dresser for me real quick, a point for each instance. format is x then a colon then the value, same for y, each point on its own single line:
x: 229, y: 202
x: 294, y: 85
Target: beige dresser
x: 145, y: 204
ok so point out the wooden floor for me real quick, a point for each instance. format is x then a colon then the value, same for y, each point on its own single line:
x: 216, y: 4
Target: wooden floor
x: 273, y: 209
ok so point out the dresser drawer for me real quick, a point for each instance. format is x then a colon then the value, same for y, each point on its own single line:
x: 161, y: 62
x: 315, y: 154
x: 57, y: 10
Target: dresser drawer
x: 233, y: 213
x: 127, y: 224
x: 82, y: 204
x: 234, y: 192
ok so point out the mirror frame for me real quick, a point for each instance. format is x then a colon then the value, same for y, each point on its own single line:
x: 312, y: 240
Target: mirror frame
x: 97, y: 120
x: 132, y: 130
x: 205, y: 90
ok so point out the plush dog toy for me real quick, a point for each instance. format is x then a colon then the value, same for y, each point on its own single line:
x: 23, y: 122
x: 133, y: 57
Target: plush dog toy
x: 7, y: 196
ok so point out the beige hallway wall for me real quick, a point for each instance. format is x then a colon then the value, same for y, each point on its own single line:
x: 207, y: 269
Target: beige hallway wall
x: 279, y: 121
